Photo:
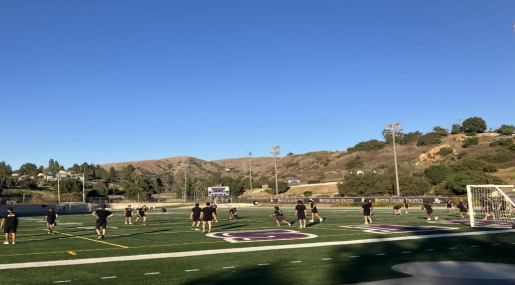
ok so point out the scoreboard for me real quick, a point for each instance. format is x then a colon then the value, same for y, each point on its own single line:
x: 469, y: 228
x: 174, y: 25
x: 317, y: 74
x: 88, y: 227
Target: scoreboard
x: 218, y: 191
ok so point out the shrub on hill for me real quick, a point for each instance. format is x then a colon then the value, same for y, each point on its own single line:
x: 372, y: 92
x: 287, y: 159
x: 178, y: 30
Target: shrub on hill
x: 353, y: 163
x: 458, y: 182
x: 506, y: 130
x: 410, y: 185
x: 445, y: 151
x: 456, y: 129
x: 365, y: 184
x: 429, y: 139
x: 470, y: 142
x: 437, y: 173
x: 474, y: 124
x: 370, y: 145
x: 440, y: 131
x: 505, y: 142
x: 476, y: 164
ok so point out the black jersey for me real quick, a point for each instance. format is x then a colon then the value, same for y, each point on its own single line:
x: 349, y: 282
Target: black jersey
x: 427, y: 207
x: 278, y: 213
x: 449, y: 204
x: 300, y: 209
x: 406, y: 204
x: 232, y: 211
x: 462, y: 208
x: 214, y: 207
x: 103, y: 214
x: 196, y: 211
x: 11, y: 219
x: 128, y: 212
x: 142, y: 212
x: 51, y: 216
x: 208, y: 211
x: 313, y: 205
x: 366, y: 207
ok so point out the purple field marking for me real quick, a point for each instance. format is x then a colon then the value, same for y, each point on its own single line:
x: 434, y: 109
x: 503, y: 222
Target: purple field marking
x: 394, y: 229
x: 261, y: 235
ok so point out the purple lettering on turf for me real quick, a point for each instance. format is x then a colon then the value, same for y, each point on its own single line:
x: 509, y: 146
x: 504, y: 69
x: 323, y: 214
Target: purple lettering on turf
x: 393, y: 229
x: 261, y: 235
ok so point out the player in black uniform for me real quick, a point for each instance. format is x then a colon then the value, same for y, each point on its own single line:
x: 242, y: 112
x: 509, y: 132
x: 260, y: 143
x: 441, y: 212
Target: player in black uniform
x: 195, y: 216
x: 101, y: 215
x: 463, y: 209
x: 502, y: 207
x: 233, y: 214
x: 489, y: 209
x: 397, y: 210
x: 366, y: 209
x: 215, y: 212
x: 429, y: 211
x: 300, y: 212
x: 207, y: 216
x: 406, y: 206
x: 10, y: 225
x: 128, y: 215
x: 449, y: 206
x: 50, y: 217
x: 142, y: 213
x: 279, y: 217
x: 314, y: 211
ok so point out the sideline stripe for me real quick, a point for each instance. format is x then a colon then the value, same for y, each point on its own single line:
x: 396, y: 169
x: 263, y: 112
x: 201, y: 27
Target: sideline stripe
x: 85, y: 238
x: 235, y: 250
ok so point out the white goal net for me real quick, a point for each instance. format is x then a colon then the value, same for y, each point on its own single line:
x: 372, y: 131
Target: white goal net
x: 490, y: 205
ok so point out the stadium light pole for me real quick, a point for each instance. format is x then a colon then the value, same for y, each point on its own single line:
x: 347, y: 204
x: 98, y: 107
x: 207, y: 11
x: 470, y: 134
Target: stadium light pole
x: 394, y: 129
x: 185, y: 166
x: 249, y: 154
x: 275, y: 150
x: 83, y: 188
x: 58, y: 189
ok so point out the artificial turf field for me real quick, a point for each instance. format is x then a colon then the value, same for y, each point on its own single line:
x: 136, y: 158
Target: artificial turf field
x: 367, y: 257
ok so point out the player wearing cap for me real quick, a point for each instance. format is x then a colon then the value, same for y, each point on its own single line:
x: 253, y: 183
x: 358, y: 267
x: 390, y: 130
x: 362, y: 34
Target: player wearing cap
x: 279, y: 217
x: 128, y: 215
x: 406, y: 206
x: 429, y: 211
x: 366, y: 209
x: 300, y: 212
x: 195, y: 216
x: 10, y: 225
x: 142, y: 213
x: 314, y: 211
x: 101, y: 214
x: 207, y: 216
x: 50, y: 218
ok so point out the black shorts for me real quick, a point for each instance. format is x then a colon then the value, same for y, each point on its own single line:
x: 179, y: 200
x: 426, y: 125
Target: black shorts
x: 406, y: 206
x: 366, y: 213
x: 50, y: 222
x: 301, y: 216
x: 128, y: 215
x: 429, y: 212
x: 101, y: 224
x: 314, y: 211
x: 142, y: 215
x: 279, y: 218
x: 196, y: 218
x: 207, y: 219
x: 10, y: 229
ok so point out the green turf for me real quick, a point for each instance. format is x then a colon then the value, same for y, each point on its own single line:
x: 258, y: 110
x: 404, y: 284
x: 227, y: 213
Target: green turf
x: 170, y: 232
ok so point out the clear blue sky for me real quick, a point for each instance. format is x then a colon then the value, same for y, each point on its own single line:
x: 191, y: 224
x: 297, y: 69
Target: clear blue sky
x: 108, y: 81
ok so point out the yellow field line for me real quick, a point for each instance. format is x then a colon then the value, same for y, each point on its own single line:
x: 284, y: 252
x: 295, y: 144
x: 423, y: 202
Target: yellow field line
x: 99, y: 241
x: 72, y: 253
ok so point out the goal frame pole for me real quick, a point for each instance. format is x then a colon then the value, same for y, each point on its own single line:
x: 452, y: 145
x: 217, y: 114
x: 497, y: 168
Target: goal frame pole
x: 469, y: 196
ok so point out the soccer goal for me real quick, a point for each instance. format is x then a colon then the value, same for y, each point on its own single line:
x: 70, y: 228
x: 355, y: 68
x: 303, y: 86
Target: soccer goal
x: 489, y: 205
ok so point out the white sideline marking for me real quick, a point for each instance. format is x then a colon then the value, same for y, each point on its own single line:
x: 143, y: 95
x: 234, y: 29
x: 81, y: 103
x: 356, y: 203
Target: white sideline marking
x: 229, y: 267
x: 381, y: 254
x: 354, y: 256
x: 263, y: 264
x: 475, y: 246
x: 237, y: 250
x: 108, y: 277
x: 453, y: 248
x: 64, y: 281
x: 191, y: 270
x: 326, y: 258
x: 406, y: 252
x: 152, y: 273
x: 296, y: 261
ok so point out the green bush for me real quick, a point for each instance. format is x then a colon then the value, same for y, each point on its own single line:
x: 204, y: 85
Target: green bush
x: 429, y: 139
x: 474, y: 124
x: 456, y: 129
x: 506, y: 130
x: 458, y: 182
x: 445, y: 151
x: 308, y: 193
x: 470, y: 142
x: 370, y: 145
x: 505, y: 142
x: 477, y: 164
x: 353, y: 163
x: 437, y: 173
x: 471, y: 134
x: 366, y: 184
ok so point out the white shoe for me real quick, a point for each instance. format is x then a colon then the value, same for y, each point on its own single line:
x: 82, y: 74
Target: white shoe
x: 130, y: 223
x: 321, y: 220
x: 289, y: 225
x: 125, y: 222
x: 436, y: 218
x: 13, y: 242
x: 6, y: 242
x: 366, y: 223
x: 428, y: 219
x: 311, y: 221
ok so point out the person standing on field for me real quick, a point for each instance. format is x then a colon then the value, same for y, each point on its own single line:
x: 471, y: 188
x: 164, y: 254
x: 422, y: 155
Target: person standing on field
x: 10, y: 225
x: 128, y: 215
x: 366, y: 209
x: 314, y: 211
x: 50, y: 218
x: 301, y: 212
x: 101, y: 215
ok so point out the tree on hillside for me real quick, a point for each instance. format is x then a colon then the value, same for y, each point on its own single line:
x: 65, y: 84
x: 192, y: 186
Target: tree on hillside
x: 474, y: 124
x: 28, y: 169
x: 457, y: 183
x: 429, y: 139
x: 365, y: 185
x: 506, y: 130
x: 456, y: 129
x: 112, y: 174
x: 440, y: 131
x: 5, y: 169
x: 370, y: 145
x: 410, y: 185
x: 437, y: 173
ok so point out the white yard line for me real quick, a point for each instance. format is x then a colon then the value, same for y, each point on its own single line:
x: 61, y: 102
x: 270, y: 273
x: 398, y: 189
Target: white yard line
x: 63, y: 281
x: 263, y: 264
x: 152, y: 273
x: 326, y: 258
x: 191, y: 270
x: 147, y: 257
x: 229, y: 267
x: 108, y: 277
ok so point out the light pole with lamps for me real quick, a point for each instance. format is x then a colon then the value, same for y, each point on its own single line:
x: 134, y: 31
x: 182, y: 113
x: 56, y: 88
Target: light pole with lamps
x: 275, y: 150
x: 249, y: 154
x: 394, y: 129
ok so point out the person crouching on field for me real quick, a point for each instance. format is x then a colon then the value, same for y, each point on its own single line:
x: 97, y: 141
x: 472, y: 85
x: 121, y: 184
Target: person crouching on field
x: 463, y: 209
x: 396, y: 210
x: 233, y: 214
x: 50, y: 218
x: 279, y: 217
x: 10, y: 225
x: 142, y: 213
x: 429, y: 211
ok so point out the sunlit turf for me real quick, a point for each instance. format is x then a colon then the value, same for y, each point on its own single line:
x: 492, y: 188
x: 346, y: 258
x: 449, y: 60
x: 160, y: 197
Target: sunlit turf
x: 170, y: 232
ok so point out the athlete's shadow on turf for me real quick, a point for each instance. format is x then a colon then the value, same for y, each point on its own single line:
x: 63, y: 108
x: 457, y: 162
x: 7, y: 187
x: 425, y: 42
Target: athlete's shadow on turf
x: 222, y: 227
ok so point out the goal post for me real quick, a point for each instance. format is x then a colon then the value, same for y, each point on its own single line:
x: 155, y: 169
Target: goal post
x: 489, y: 205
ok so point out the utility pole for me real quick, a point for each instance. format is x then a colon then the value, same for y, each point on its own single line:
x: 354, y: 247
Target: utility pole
x: 394, y: 129
x: 184, y: 195
x: 275, y: 150
x: 58, y: 189
x: 83, y: 188
x: 249, y: 154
